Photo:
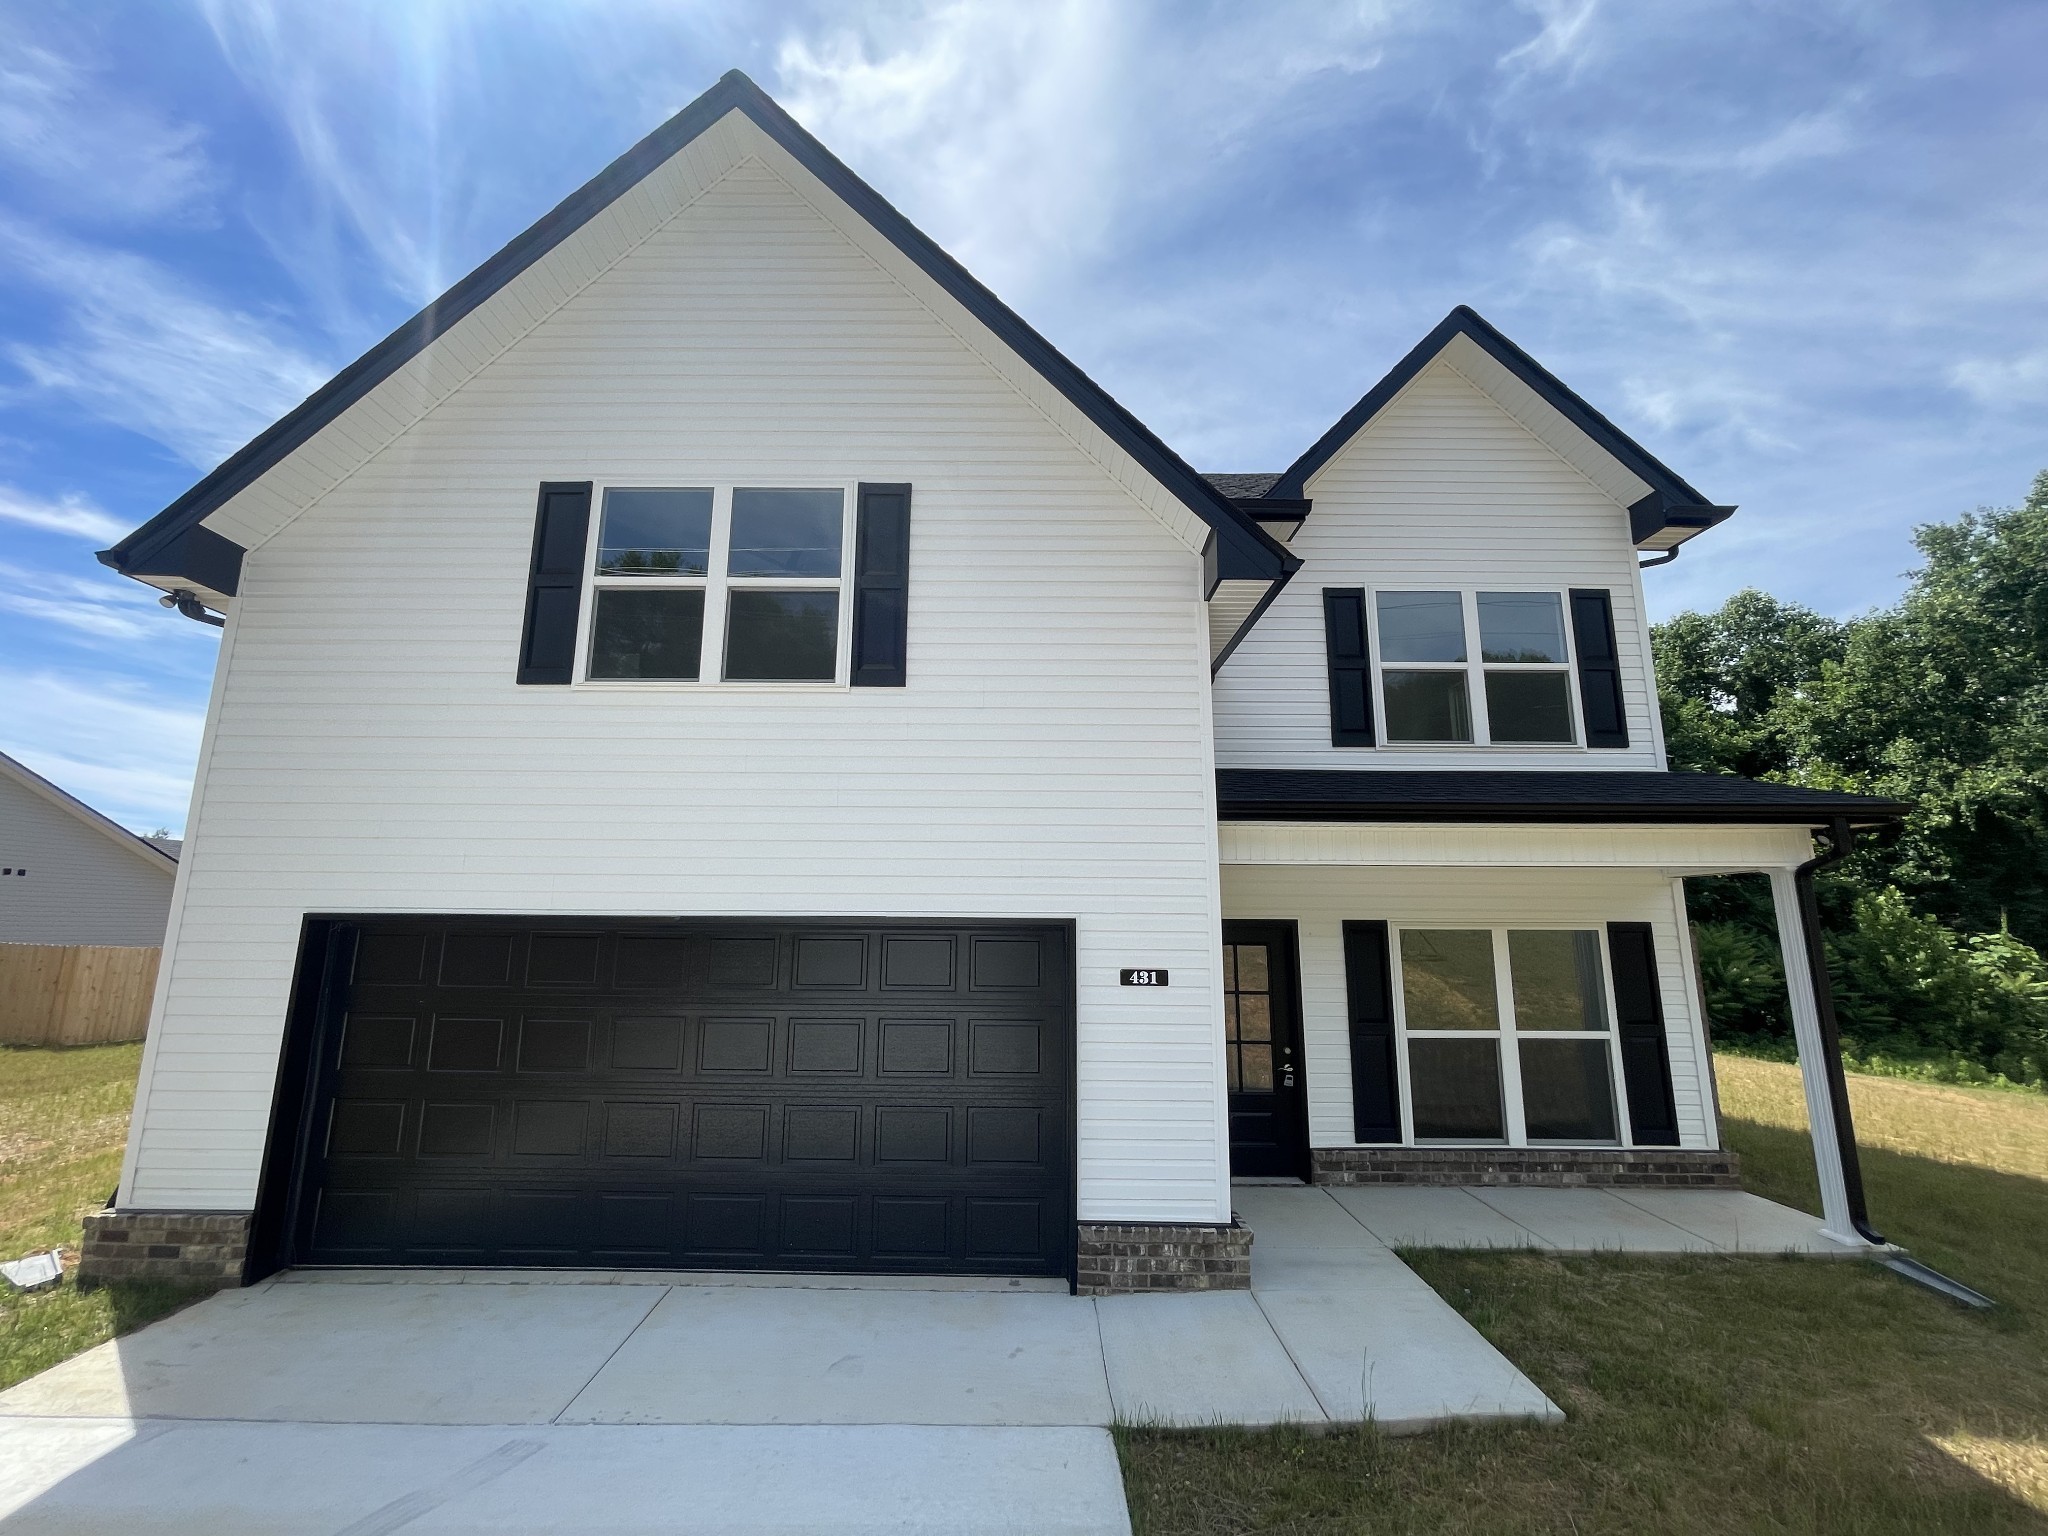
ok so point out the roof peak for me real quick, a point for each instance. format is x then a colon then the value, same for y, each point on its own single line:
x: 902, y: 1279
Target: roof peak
x: 174, y: 546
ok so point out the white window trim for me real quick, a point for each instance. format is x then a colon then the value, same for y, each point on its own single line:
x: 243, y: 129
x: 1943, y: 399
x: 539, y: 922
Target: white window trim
x: 1509, y: 1056
x: 717, y: 585
x: 1475, y: 674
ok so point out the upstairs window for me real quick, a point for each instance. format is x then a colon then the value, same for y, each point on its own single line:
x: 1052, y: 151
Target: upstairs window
x: 1478, y: 668
x: 710, y: 584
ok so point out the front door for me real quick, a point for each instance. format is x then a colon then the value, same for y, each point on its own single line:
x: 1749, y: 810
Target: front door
x: 1262, y: 1051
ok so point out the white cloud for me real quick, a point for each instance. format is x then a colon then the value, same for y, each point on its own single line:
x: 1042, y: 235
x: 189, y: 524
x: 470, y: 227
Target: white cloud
x: 123, y: 751
x: 100, y: 153
x: 142, y: 349
x: 2004, y: 381
x: 70, y: 514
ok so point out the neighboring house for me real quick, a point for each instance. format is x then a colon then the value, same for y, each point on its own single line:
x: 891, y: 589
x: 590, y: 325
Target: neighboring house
x: 69, y: 876
x: 730, y: 751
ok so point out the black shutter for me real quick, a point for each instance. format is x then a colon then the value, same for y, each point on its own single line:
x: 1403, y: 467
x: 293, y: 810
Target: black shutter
x: 1375, y: 1077
x: 554, y: 583
x: 1599, y: 667
x: 1645, y: 1054
x: 881, y: 587
x: 1350, y: 667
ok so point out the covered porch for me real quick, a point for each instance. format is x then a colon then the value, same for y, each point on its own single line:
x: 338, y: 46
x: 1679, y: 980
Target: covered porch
x: 1485, y: 981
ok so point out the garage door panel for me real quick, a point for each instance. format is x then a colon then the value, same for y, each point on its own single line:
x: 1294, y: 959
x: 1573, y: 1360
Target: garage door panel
x: 823, y: 1096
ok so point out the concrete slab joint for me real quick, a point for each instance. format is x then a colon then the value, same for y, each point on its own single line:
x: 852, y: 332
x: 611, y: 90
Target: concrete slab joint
x: 195, y: 1247
x: 1541, y: 1167
x: 1121, y: 1259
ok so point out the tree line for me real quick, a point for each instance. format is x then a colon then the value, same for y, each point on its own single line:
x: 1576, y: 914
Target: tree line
x: 1936, y: 934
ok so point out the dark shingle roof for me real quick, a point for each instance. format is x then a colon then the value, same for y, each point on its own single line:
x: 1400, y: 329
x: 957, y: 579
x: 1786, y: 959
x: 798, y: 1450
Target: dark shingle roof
x: 1259, y: 794
x: 1243, y: 487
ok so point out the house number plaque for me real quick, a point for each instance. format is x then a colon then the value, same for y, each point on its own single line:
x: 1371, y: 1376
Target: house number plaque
x: 1141, y: 978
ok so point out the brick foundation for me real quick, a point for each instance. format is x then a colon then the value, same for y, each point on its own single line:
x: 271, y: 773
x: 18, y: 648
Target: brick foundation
x: 196, y: 1247
x: 1117, y: 1260
x: 1548, y: 1167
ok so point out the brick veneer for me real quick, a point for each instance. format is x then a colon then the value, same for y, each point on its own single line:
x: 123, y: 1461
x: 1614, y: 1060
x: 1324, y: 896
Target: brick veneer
x: 198, y: 1247
x: 1651, y: 1167
x: 1116, y: 1259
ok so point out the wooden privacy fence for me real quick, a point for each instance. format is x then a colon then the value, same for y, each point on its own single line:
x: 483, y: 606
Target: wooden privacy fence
x: 75, y: 994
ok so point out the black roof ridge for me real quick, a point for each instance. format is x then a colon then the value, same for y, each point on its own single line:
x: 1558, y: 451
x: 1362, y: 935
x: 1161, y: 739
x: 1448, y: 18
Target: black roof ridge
x: 1240, y: 546
x: 1664, y: 482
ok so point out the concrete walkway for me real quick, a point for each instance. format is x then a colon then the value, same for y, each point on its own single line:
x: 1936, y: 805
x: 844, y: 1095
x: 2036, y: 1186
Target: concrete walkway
x: 630, y: 1402
x: 1588, y: 1220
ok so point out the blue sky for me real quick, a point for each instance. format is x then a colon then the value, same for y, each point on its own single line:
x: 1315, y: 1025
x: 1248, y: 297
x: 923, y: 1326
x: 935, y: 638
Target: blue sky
x: 1799, y: 250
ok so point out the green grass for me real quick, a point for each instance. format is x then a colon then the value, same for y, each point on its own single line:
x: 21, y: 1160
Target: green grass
x: 63, y: 1119
x: 1712, y: 1395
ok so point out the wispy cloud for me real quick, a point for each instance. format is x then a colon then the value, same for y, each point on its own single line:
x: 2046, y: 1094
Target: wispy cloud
x: 95, y: 150
x: 105, y: 741
x: 143, y: 349
x: 71, y: 514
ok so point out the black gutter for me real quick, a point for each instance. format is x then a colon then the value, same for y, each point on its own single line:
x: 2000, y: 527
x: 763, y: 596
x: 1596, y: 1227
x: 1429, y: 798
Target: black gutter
x: 1841, y: 840
x: 1589, y: 814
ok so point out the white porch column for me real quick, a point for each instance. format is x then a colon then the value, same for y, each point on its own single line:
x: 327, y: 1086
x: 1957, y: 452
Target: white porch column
x: 1806, y: 1032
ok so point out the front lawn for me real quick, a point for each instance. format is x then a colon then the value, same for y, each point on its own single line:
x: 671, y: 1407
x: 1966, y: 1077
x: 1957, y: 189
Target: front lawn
x: 1714, y: 1395
x: 63, y: 1121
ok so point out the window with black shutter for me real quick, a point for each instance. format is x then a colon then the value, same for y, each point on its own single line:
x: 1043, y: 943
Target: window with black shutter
x: 554, y: 584
x: 1344, y: 636
x: 1599, y: 662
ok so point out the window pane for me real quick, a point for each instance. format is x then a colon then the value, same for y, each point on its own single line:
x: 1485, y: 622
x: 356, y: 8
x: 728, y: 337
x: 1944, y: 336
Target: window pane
x: 655, y: 533
x: 785, y: 533
x: 1421, y: 626
x: 1566, y: 1093
x: 655, y: 632
x: 1557, y: 979
x: 1428, y: 706
x: 1257, y: 1075
x: 1251, y: 968
x: 1254, y: 1017
x: 1521, y: 626
x: 1528, y: 706
x: 1456, y: 1087
x: 782, y: 636
x: 1447, y: 978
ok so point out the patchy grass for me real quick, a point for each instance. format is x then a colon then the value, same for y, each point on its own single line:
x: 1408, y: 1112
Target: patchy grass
x: 63, y: 1119
x: 1711, y: 1394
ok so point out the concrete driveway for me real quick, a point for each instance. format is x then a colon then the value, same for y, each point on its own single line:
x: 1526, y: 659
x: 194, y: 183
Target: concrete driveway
x: 635, y: 1403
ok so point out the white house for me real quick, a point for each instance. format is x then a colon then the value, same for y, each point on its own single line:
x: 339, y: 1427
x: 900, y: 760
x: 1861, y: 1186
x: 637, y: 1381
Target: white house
x: 69, y: 875
x: 729, y: 750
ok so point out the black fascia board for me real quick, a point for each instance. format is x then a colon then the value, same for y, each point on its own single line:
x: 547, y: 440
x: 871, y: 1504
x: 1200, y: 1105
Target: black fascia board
x: 1244, y: 550
x: 1669, y: 500
x: 1452, y: 795
x: 191, y: 555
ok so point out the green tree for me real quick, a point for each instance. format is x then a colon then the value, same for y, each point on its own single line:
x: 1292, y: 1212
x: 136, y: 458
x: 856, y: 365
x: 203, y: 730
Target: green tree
x: 1940, y: 700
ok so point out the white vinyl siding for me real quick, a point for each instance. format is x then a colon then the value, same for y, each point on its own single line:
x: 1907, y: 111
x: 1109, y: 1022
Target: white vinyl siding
x: 1443, y: 491
x: 1050, y: 757
x: 1323, y: 897
x: 82, y: 887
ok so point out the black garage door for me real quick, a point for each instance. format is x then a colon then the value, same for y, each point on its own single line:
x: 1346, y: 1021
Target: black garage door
x: 818, y: 1096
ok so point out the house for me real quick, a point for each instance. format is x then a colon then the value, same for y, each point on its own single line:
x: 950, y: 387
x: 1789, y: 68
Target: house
x: 70, y: 876
x: 731, y: 751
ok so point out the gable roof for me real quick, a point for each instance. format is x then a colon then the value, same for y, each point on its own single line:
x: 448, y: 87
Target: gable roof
x: 1668, y: 512
x: 149, y: 850
x: 174, y: 546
